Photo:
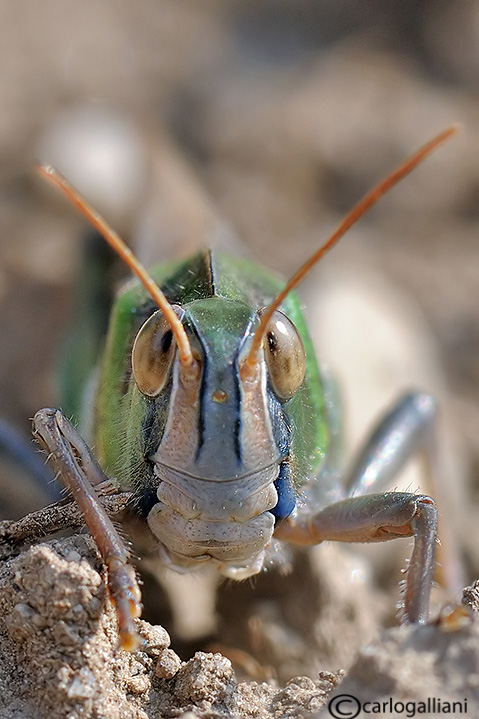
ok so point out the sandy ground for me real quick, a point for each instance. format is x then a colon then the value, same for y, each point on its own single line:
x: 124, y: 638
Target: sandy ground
x: 262, y: 121
x: 59, y: 657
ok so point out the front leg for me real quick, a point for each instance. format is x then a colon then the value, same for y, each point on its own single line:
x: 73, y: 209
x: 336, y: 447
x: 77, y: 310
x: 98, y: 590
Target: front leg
x: 79, y: 471
x: 378, y: 518
x: 407, y: 429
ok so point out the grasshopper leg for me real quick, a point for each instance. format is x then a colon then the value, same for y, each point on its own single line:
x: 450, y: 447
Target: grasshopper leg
x: 78, y: 471
x: 378, y: 518
x: 51, y: 519
x: 408, y: 428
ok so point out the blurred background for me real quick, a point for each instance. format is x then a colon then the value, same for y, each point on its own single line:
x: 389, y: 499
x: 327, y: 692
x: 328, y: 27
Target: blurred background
x: 254, y: 124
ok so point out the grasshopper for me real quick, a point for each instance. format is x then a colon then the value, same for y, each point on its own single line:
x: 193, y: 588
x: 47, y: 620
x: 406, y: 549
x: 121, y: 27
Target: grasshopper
x: 211, y: 423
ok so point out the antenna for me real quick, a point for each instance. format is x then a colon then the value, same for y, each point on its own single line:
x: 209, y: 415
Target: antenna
x: 114, y: 240
x: 351, y: 218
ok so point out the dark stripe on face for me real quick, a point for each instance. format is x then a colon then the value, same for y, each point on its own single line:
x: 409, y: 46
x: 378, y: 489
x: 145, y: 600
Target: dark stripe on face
x: 237, y: 423
x: 205, y: 400
x: 201, y: 412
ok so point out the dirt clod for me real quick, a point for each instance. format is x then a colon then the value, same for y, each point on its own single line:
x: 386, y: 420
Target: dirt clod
x: 58, y: 655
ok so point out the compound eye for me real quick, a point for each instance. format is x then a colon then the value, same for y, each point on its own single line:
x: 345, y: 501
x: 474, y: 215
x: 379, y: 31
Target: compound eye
x: 153, y: 352
x: 285, y: 356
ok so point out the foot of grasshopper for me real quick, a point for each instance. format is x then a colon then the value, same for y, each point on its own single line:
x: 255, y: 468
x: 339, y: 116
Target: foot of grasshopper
x: 78, y: 471
x: 378, y: 518
x: 363, y: 516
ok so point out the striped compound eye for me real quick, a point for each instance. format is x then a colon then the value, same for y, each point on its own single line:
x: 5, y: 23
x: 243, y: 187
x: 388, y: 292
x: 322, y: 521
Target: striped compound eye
x: 285, y: 356
x: 153, y: 352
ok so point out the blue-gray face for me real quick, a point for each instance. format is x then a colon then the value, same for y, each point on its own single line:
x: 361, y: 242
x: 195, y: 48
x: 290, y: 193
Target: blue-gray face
x: 219, y: 425
x: 217, y: 460
x: 230, y: 421
x: 218, y: 463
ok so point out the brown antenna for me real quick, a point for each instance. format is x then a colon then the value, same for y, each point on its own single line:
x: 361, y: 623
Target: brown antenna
x: 114, y: 240
x: 353, y: 216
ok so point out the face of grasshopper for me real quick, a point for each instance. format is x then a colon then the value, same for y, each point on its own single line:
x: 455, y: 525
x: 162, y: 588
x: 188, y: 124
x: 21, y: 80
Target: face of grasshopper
x: 215, y: 459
